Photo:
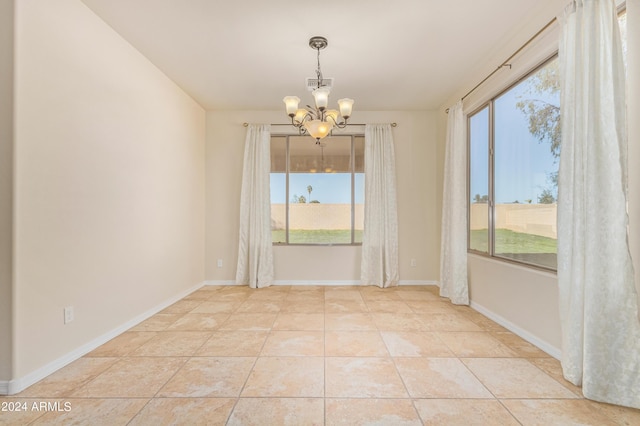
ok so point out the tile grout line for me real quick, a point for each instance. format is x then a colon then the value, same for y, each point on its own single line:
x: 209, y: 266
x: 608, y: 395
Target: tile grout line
x: 324, y: 360
x: 371, y: 300
x: 244, y: 384
x: 155, y: 396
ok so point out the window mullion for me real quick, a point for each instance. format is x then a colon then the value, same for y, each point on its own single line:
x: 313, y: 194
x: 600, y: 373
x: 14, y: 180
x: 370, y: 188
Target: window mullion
x: 492, y: 211
x: 286, y: 234
x: 353, y: 200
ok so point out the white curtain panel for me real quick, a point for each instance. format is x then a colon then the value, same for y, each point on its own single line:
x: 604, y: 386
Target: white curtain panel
x: 379, y: 265
x: 598, y: 304
x: 255, y: 252
x: 453, y: 244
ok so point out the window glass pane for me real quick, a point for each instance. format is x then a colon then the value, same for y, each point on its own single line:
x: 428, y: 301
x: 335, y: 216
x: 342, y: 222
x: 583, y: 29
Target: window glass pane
x: 278, y: 188
x: 479, y: 181
x: 333, y: 154
x: 527, y: 143
x: 358, y: 189
x: 320, y: 190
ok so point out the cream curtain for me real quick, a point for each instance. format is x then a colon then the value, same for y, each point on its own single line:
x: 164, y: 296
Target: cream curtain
x: 379, y: 265
x: 255, y: 253
x: 453, y: 244
x: 598, y: 304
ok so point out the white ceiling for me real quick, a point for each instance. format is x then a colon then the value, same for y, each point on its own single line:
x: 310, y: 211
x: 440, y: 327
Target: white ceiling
x: 249, y: 54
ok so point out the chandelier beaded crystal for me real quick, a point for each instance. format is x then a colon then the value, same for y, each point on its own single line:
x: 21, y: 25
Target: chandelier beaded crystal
x: 319, y: 121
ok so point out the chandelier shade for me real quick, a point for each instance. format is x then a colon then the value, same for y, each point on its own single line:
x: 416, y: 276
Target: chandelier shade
x: 291, y: 103
x: 332, y: 114
x: 321, y: 96
x: 345, y: 105
x: 300, y: 115
x: 319, y: 121
x: 318, y: 129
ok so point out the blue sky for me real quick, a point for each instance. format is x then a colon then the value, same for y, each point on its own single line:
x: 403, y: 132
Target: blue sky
x: 522, y: 162
x: 327, y: 187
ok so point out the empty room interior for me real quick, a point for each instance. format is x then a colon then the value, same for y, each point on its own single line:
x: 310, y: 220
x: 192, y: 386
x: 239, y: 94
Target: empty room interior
x: 418, y: 261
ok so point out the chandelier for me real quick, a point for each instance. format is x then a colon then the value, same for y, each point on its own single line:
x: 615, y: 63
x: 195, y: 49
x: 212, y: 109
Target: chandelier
x: 319, y: 121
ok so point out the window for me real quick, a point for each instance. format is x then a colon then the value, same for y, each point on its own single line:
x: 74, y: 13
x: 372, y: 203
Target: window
x: 514, y: 143
x: 514, y: 147
x: 479, y: 185
x: 317, y: 191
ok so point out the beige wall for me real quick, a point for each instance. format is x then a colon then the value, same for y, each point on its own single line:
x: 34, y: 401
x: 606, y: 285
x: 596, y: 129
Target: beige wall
x: 415, y: 144
x: 6, y: 185
x: 109, y: 183
x: 525, y: 298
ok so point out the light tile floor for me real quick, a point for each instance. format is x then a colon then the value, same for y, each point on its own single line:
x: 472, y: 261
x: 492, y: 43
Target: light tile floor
x: 313, y: 356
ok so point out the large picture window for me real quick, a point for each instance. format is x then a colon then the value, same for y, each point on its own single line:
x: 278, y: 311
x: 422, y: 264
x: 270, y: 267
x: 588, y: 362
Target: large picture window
x: 514, y: 144
x: 317, y: 191
x: 514, y: 148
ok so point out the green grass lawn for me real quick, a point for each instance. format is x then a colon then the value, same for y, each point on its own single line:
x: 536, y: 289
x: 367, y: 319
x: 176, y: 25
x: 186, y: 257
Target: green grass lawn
x: 513, y: 242
x: 316, y: 236
x: 506, y: 241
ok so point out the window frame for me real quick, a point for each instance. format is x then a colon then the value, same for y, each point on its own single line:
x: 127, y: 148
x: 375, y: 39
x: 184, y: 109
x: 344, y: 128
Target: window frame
x: 621, y: 10
x: 352, y: 172
x: 490, y: 104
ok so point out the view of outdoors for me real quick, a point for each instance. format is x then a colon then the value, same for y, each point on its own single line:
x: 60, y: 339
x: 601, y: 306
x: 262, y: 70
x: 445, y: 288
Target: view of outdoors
x: 526, y: 149
x: 526, y: 143
x: 317, y: 191
x: 522, y: 129
x: 479, y: 183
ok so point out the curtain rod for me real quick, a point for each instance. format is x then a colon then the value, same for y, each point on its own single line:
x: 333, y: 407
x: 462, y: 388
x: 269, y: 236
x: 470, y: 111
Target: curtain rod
x: 349, y: 124
x: 506, y: 62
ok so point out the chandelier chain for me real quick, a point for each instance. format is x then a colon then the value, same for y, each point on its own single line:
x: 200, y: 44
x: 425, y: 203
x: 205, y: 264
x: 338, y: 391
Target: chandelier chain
x: 319, y: 71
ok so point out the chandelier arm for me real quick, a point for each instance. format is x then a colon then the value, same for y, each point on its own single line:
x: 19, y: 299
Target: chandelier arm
x: 300, y: 124
x: 338, y: 125
x: 294, y: 124
x: 313, y: 112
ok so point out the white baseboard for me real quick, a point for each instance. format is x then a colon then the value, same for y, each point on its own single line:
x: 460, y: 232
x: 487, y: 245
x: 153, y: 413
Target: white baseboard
x: 220, y: 282
x: 18, y: 385
x: 317, y: 282
x: 323, y: 282
x: 534, y: 340
x: 288, y: 282
x: 417, y: 282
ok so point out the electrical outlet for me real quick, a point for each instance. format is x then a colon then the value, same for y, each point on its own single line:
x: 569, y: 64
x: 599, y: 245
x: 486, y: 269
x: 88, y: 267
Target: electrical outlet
x: 413, y: 263
x: 219, y: 263
x: 68, y: 314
